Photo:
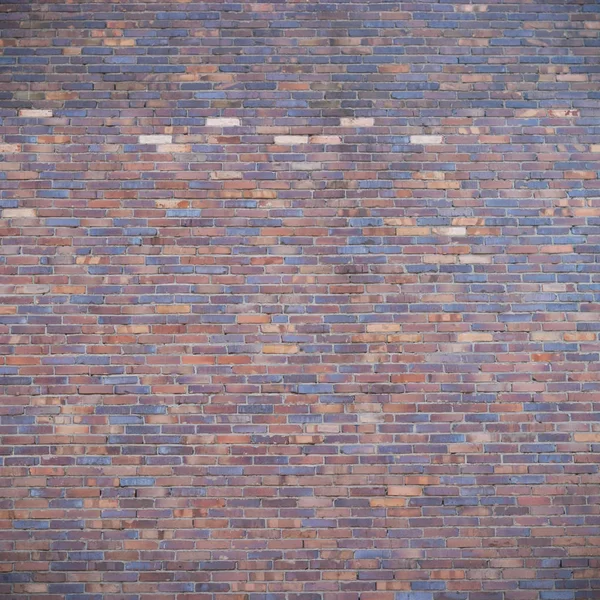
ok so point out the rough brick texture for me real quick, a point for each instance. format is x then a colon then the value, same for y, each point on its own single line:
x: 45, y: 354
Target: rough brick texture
x: 300, y: 300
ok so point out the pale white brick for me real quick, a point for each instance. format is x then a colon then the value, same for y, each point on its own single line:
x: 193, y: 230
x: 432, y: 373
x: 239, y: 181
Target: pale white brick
x: 453, y: 231
x: 357, y: 122
x: 425, y: 139
x: 18, y: 213
x: 222, y: 122
x: 34, y: 113
x: 156, y: 139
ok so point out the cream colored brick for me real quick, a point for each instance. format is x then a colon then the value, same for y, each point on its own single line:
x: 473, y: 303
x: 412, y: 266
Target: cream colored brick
x: 357, y: 122
x: 291, y: 140
x: 6, y: 148
x: 425, y: 139
x: 18, y: 213
x: 222, y: 122
x: 156, y: 139
x: 34, y: 113
x: 452, y: 231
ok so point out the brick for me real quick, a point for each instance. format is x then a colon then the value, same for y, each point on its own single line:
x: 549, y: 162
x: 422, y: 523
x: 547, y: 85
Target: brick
x: 426, y: 139
x: 34, y: 113
x: 357, y: 121
x: 405, y: 490
x: 18, y: 213
x: 280, y: 349
x: 325, y: 139
x: 226, y: 175
x: 306, y: 166
x: 291, y: 140
x: 299, y: 300
x: 155, y: 139
x: 222, y: 122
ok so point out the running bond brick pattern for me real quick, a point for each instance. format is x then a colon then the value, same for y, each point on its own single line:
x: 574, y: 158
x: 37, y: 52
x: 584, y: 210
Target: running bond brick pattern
x: 300, y: 300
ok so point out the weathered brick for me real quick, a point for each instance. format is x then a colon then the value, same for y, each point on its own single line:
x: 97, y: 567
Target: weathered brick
x: 299, y: 300
x: 357, y: 122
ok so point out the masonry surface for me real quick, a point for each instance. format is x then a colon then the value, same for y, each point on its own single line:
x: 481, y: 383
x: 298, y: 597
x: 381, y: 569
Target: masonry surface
x: 300, y: 300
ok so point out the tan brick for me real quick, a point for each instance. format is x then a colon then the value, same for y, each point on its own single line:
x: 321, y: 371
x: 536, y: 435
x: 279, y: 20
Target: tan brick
x: 357, y: 122
x: 329, y: 139
x: 176, y: 148
x: 253, y: 319
x: 558, y: 249
x: 475, y: 337
x: 169, y: 309
x: 32, y: 289
x: 291, y: 140
x: 222, y: 122
x: 404, y: 490
x: 413, y: 230
x: 580, y: 174
x: 7, y: 148
x: 429, y: 175
x: 388, y: 502
x: 439, y: 259
x: 383, y: 327
x: 280, y: 349
x: 226, y: 175
x: 587, y: 437
x: 18, y: 213
x: 475, y: 259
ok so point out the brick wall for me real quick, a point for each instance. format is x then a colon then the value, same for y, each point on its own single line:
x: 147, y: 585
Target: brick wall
x: 300, y: 300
